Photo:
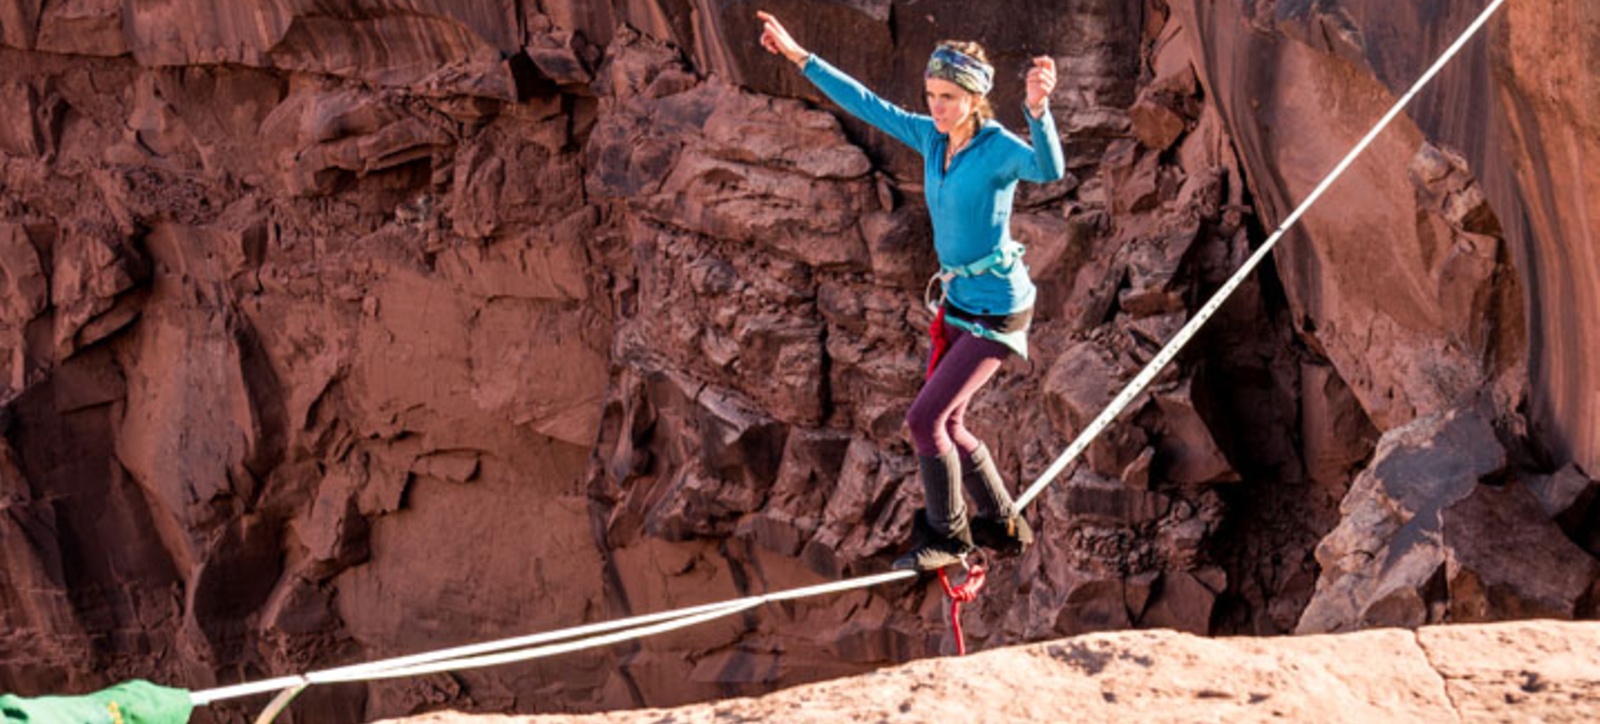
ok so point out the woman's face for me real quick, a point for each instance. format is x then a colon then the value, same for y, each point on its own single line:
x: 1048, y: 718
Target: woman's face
x: 948, y: 103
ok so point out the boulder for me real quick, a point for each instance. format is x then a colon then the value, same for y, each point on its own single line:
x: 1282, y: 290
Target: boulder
x: 1156, y: 125
x: 92, y: 285
x: 1078, y: 387
x: 329, y: 134
x: 19, y: 132
x: 868, y: 514
x: 1507, y: 561
x: 1426, y: 531
x: 24, y: 293
x: 1568, y: 497
x: 899, y: 247
x: 1167, y: 107
x: 1186, y: 452
x: 1181, y: 601
x: 1382, y: 565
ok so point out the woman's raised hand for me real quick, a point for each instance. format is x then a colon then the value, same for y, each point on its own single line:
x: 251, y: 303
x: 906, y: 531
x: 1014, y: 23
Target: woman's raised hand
x: 777, y: 40
x: 1041, y: 80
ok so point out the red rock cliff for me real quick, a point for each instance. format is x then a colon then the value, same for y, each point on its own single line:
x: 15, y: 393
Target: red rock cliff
x: 337, y: 333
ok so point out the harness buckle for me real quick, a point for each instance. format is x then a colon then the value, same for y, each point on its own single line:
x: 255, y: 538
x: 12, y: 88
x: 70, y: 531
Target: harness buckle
x: 933, y: 295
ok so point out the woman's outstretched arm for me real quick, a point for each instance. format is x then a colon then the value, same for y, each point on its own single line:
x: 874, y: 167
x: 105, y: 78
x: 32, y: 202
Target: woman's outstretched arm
x: 910, y: 129
x: 1047, y: 162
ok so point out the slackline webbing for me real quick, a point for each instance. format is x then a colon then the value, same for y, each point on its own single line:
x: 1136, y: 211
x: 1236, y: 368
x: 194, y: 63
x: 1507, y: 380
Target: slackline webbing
x: 1145, y: 376
x: 636, y: 626
x: 540, y: 645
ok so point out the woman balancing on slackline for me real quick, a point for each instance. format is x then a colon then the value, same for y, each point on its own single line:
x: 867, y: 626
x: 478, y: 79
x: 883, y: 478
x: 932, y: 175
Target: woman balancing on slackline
x: 970, y: 173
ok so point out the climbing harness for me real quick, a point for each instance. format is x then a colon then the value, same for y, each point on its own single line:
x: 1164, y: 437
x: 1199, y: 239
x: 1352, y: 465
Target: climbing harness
x: 518, y: 649
x: 998, y: 263
x: 965, y: 592
x: 935, y: 296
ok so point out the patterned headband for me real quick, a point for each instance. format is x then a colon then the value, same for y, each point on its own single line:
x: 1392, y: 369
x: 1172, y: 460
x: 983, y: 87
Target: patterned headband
x: 961, y: 69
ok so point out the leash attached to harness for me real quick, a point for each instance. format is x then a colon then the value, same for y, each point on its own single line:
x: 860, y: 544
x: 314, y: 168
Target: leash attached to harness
x: 939, y: 341
x: 967, y: 592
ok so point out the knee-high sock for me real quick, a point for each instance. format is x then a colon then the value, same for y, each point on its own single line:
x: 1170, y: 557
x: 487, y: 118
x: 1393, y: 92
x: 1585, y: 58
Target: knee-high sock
x: 982, y: 480
x: 941, y: 488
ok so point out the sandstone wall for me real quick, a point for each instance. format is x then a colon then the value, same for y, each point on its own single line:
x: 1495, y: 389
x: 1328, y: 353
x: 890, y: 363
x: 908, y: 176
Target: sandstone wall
x: 338, y: 333
x: 1433, y: 301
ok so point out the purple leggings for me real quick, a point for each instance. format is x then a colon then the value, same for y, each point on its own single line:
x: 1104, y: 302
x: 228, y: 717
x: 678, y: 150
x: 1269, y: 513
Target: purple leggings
x: 936, y: 417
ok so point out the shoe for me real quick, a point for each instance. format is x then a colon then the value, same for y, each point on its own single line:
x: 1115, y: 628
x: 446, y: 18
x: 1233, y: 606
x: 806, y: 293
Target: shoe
x: 932, y: 550
x: 1007, y: 537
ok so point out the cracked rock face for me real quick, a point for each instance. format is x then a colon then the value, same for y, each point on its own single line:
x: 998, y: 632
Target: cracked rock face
x: 330, y: 334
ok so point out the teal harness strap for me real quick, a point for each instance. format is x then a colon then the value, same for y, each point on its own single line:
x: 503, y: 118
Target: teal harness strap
x: 1017, y: 341
x: 999, y: 263
x: 1002, y: 258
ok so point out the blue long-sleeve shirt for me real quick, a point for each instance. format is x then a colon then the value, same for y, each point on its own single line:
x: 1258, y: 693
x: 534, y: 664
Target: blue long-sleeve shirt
x: 970, y: 204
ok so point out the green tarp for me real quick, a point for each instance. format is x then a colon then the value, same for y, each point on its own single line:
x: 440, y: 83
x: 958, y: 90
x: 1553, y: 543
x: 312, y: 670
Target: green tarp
x: 131, y: 702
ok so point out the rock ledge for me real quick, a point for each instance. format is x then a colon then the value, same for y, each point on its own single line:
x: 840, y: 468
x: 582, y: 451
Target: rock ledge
x: 1545, y: 671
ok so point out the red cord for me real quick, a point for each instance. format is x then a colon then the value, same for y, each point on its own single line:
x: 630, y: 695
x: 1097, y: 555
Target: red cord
x: 939, y: 341
x: 967, y: 592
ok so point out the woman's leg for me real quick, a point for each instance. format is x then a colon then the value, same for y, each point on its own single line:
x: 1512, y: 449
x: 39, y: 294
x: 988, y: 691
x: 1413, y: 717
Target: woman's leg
x: 996, y: 525
x: 937, y: 412
x: 983, y: 482
x: 979, y: 474
x: 968, y: 364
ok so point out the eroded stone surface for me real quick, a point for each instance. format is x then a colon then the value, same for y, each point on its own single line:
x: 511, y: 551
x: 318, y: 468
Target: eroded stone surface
x: 1531, y: 671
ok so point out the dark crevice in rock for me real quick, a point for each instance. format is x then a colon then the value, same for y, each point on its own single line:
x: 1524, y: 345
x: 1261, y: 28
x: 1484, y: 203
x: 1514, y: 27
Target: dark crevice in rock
x: 530, y: 81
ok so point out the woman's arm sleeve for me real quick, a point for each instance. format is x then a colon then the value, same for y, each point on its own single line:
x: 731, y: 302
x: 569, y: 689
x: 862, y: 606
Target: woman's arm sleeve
x: 908, y: 128
x: 1047, y: 162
